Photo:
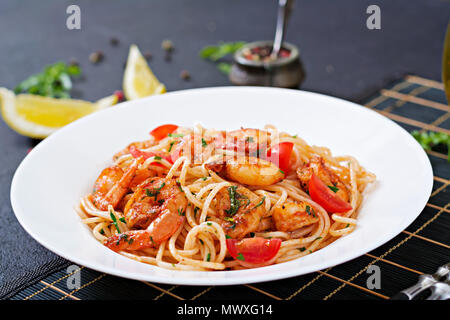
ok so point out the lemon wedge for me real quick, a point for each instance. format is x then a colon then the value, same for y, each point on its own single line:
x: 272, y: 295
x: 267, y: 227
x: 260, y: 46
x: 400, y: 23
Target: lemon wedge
x: 37, y: 117
x: 138, y: 79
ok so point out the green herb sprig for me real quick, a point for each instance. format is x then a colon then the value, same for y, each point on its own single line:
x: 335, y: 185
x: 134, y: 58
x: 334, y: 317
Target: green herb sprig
x: 55, y: 81
x: 220, y: 51
x: 431, y: 139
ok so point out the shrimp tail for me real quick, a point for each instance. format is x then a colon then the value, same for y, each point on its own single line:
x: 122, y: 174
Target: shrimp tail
x: 130, y: 240
x: 166, y: 224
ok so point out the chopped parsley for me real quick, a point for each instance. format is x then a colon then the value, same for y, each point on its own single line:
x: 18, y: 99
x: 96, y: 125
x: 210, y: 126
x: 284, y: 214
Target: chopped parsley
x: 240, y: 257
x: 227, y: 236
x: 249, y: 139
x: 261, y: 202
x: 122, y: 219
x: 113, y: 217
x: 204, y: 178
x: 102, y: 231
x: 209, y: 224
x: 204, y: 144
x: 208, y: 257
x: 181, y: 212
x: 171, y: 145
x: 333, y: 188
x: 158, y: 158
x: 310, y: 211
x: 155, y: 192
x: 302, y: 249
x: 124, y: 237
x: 175, y: 135
x: 234, y: 202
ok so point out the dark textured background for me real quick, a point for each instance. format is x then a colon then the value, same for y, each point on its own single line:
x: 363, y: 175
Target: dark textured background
x: 341, y: 57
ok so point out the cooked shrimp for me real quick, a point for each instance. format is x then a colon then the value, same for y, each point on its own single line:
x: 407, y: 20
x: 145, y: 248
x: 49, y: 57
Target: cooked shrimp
x: 239, y: 211
x: 317, y: 166
x: 140, y: 176
x: 157, y: 205
x: 112, y: 184
x: 248, y: 170
x: 148, y: 200
x: 291, y: 216
x: 249, y: 141
x: 138, y: 145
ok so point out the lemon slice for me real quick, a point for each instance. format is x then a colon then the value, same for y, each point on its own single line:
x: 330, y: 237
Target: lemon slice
x: 138, y: 79
x: 38, y: 117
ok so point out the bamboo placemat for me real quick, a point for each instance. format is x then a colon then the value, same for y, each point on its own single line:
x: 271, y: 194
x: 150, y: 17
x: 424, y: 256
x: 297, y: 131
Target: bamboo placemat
x: 415, y: 103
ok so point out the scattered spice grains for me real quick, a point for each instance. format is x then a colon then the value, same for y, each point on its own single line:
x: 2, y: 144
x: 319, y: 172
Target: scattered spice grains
x: 96, y: 57
x: 119, y: 95
x: 167, y: 45
x: 114, y: 41
x: 185, y: 75
x: 167, y: 56
x: 148, y: 55
x: 73, y: 62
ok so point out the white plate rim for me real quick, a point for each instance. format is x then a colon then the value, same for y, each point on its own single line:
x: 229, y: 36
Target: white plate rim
x: 269, y: 276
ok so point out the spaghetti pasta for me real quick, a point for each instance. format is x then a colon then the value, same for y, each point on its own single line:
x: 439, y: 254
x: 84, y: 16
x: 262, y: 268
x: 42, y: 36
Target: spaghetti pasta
x: 181, y: 201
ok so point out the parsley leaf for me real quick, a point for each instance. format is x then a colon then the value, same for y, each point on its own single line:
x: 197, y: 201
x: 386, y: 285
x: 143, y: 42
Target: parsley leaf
x: 261, y: 202
x: 431, y: 139
x: 234, y: 202
x: 220, y: 51
x: 113, y: 218
x: 54, y: 81
x: 333, y: 188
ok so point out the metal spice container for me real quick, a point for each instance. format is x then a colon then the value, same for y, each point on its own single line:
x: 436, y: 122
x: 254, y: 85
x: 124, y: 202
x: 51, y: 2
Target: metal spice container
x: 285, y: 72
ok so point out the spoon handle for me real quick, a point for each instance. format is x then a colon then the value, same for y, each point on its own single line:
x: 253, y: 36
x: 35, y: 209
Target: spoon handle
x: 284, y: 8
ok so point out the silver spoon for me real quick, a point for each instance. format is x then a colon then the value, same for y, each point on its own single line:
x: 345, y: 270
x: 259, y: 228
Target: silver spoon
x: 284, y: 8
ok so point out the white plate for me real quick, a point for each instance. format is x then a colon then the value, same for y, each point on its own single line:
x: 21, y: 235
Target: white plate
x: 61, y: 169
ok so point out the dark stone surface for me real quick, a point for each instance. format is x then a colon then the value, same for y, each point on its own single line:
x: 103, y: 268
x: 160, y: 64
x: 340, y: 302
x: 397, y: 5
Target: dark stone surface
x: 341, y: 57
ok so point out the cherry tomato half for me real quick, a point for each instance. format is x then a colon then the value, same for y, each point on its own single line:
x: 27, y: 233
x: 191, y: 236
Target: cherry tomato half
x: 163, y: 131
x: 321, y: 194
x: 280, y: 155
x: 253, y: 250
